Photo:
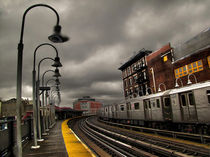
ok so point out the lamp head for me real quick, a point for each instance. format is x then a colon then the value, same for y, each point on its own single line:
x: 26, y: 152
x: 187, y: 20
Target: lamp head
x: 159, y: 90
x: 189, y: 82
x: 57, y: 82
x: 56, y: 37
x: 176, y: 85
x: 57, y: 74
x: 57, y: 62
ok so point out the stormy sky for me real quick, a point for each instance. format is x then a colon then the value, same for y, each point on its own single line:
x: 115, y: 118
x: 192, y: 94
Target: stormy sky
x: 104, y: 34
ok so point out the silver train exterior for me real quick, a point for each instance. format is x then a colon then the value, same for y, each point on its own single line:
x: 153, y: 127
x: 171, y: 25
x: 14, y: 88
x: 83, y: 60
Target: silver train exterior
x: 185, y: 108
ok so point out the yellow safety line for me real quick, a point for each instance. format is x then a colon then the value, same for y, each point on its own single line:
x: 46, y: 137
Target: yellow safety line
x: 74, y: 146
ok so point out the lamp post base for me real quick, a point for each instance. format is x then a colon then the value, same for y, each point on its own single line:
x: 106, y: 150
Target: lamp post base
x: 35, y: 147
x: 45, y: 134
x: 40, y: 140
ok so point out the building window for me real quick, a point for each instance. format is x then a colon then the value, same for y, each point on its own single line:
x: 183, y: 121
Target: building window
x: 145, y: 76
x: 129, y: 70
x: 125, y: 83
x: 130, y: 81
x: 208, y: 59
x: 135, y: 78
x: 165, y: 58
x: 189, y: 69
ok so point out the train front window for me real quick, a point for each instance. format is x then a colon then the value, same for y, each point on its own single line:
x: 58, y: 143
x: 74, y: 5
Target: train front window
x: 183, y: 100
x: 191, y: 99
x: 167, y: 102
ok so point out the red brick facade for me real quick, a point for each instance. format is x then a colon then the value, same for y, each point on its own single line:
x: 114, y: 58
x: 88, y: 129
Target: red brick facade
x: 200, y: 75
x: 161, y: 69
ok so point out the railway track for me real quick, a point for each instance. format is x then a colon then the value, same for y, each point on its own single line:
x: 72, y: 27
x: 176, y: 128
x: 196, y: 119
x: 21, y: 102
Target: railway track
x: 119, y: 142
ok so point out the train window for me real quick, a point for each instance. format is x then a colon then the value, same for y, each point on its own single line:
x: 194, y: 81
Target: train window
x: 191, y: 99
x: 158, y: 103
x: 136, y: 106
x: 122, y: 107
x: 128, y: 106
x: 167, y: 102
x: 149, y: 104
x: 183, y: 100
x: 208, y: 95
x: 106, y: 110
x: 145, y: 104
x: 153, y: 104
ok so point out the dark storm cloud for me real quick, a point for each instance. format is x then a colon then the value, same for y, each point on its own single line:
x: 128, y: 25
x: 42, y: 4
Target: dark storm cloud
x: 104, y: 33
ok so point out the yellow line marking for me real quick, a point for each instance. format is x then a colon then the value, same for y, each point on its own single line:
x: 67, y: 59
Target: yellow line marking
x: 74, y: 146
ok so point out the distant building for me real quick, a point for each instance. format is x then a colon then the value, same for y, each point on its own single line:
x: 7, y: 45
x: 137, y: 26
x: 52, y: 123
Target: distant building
x: 135, y: 75
x: 87, y: 104
x: 161, y: 76
x: 8, y: 108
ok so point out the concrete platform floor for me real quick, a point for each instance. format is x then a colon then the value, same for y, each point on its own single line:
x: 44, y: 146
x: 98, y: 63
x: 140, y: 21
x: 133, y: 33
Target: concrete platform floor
x: 52, y: 146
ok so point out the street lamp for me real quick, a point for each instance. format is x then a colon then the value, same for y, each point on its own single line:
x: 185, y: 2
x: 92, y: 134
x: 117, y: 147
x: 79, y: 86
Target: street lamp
x: 52, y: 107
x: 177, y: 85
x: 147, y: 90
x: 47, y: 96
x: 159, y: 90
x: 44, y: 102
x: 56, y: 37
x: 55, y: 64
x: 37, y: 93
x: 188, y: 80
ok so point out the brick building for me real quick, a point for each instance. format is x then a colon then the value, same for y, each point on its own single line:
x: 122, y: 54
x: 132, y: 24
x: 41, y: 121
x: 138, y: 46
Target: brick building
x: 192, y: 60
x: 161, y: 76
x: 87, y: 104
x: 167, y: 67
x: 135, y: 75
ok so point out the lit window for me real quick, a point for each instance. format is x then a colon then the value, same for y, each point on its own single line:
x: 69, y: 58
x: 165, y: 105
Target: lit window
x: 165, y: 58
x: 189, y: 69
x: 208, y: 59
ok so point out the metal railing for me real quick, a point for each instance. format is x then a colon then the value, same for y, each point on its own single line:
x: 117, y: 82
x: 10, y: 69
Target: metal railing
x: 8, y: 135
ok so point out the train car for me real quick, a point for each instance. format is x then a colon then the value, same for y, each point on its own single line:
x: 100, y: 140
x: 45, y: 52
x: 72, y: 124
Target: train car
x: 184, y: 109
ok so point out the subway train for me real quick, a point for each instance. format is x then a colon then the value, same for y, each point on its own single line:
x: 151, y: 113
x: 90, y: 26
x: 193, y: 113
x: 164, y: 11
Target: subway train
x: 185, y: 109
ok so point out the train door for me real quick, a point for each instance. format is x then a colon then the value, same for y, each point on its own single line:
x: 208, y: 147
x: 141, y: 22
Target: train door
x: 167, y: 109
x: 147, y: 110
x: 188, y: 107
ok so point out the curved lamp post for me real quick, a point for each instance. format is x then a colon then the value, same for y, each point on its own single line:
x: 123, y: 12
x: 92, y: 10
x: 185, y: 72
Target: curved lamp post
x: 48, y: 96
x: 177, y: 85
x: 44, y: 102
x: 147, y: 90
x: 52, y: 107
x: 56, y: 64
x: 56, y: 37
x: 188, y: 79
x: 37, y: 93
x: 159, y: 90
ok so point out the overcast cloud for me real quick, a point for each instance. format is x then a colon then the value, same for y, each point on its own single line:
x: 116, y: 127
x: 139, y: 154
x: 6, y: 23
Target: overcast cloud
x: 104, y: 34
